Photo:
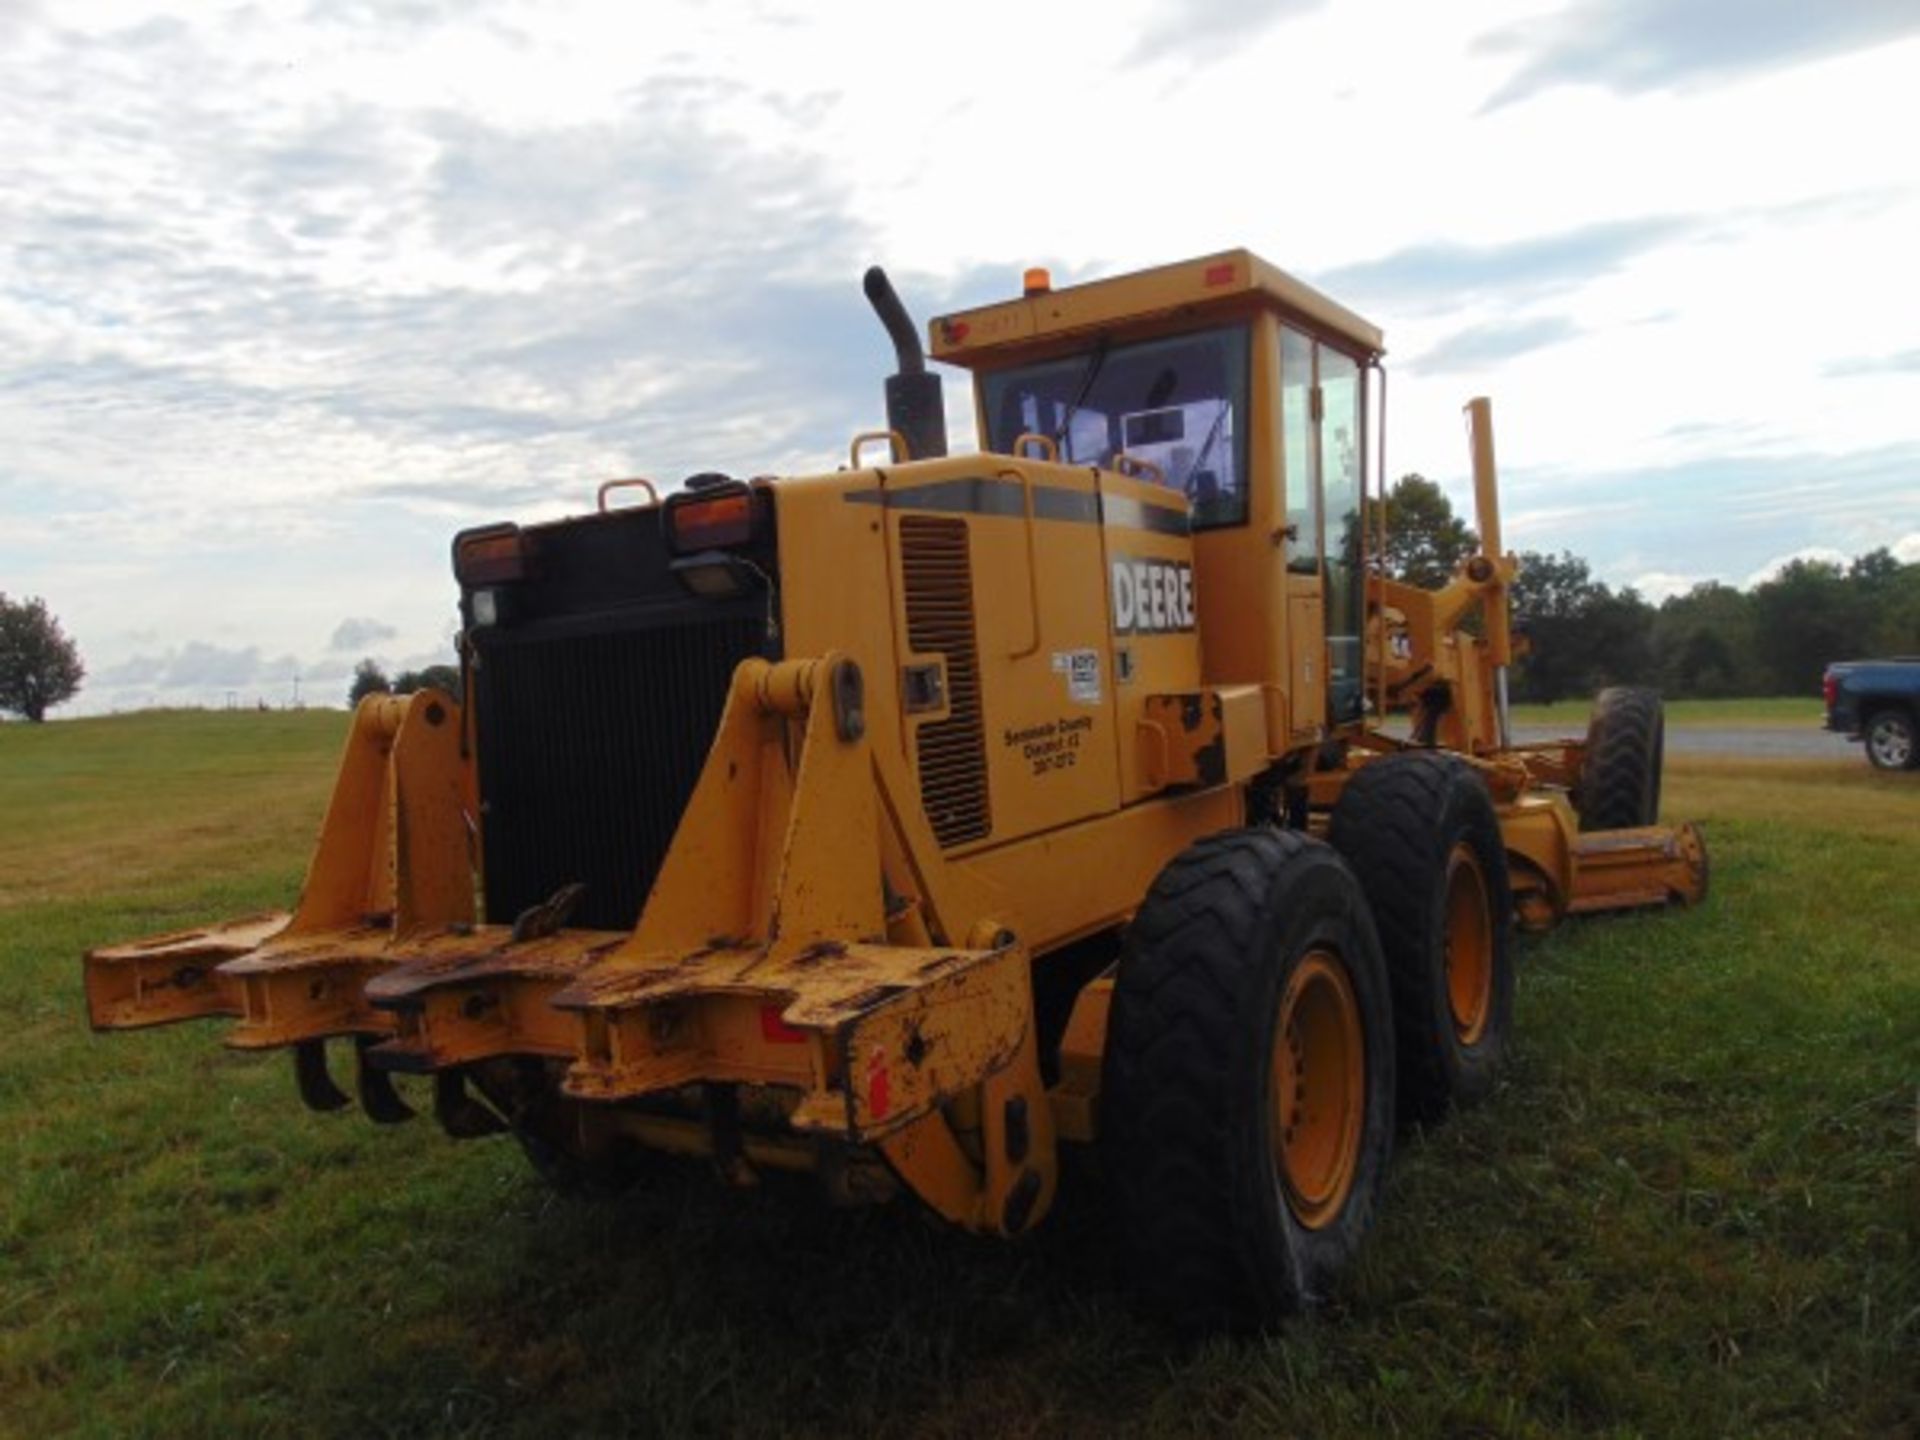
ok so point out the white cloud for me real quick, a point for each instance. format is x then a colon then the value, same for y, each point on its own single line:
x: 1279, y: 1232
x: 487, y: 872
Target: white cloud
x: 353, y: 634
x: 1657, y: 585
x: 1820, y: 554
x: 295, y: 291
x: 196, y: 673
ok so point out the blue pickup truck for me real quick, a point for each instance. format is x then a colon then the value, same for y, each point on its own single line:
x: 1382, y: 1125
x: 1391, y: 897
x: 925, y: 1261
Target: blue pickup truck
x: 1877, y: 701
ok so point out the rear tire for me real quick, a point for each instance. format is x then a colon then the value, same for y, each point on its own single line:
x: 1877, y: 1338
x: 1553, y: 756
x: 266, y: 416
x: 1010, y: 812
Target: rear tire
x: 1420, y: 831
x: 1890, y: 741
x: 1619, y: 785
x: 1247, y: 1100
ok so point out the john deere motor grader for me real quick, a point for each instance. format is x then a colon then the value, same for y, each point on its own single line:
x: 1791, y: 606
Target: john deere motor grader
x: 901, y: 824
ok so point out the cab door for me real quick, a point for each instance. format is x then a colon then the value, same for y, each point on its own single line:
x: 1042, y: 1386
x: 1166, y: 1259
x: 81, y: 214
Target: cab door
x: 1323, y: 441
x: 1300, y: 477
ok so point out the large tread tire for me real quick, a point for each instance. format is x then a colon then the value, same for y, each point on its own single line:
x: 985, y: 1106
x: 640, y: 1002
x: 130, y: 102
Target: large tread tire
x: 1403, y: 822
x: 1619, y: 785
x: 1890, y: 740
x: 1229, y: 935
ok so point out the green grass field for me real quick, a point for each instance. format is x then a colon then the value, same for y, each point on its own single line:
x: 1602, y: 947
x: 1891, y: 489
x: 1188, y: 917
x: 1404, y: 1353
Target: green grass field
x: 1692, y: 1208
x: 1769, y: 712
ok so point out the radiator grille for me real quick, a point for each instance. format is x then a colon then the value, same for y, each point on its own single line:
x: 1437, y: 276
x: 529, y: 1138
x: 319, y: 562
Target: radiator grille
x: 937, y: 569
x: 590, y: 746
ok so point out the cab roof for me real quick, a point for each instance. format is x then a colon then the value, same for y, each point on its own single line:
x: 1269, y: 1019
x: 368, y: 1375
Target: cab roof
x: 1211, y: 282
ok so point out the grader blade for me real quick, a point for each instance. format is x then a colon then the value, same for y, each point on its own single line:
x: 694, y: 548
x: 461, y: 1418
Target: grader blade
x: 1560, y: 870
x: 1626, y: 869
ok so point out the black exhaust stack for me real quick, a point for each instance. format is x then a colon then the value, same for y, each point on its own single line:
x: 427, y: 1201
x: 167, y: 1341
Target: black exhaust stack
x: 915, y: 406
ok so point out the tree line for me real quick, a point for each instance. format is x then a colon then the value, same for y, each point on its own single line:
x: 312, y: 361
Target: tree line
x: 370, y: 679
x: 1715, y: 640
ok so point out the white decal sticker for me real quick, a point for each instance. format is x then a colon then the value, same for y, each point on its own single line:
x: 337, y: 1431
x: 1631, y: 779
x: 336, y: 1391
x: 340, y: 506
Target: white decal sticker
x: 1082, y: 669
x: 1152, y: 597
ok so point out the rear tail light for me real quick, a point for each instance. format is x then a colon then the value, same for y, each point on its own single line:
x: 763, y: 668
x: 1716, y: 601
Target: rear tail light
x: 711, y: 519
x: 492, y: 556
x: 1829, y: 688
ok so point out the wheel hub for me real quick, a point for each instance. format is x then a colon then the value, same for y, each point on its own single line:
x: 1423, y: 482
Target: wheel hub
x: 1469, y: 945
x: 1319, y: 1088
x: 1892, y: 744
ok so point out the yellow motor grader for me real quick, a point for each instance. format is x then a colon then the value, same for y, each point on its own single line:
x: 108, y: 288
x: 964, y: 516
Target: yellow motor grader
x: 901, y: 824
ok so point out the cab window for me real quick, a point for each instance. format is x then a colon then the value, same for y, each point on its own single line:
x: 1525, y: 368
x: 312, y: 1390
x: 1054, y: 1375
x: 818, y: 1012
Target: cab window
x: 1178, y: 403
x: 1323, y: 444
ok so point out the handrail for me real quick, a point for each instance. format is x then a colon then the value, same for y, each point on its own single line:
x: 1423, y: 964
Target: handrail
x: 1049, y: 447
x: 1134, y: 468
x: 901, y: 455
x: 607, y: 487
x: 1033, y: 559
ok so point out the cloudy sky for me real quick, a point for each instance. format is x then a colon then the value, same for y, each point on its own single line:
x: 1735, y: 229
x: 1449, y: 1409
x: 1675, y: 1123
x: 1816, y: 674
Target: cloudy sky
x: 289, y: 293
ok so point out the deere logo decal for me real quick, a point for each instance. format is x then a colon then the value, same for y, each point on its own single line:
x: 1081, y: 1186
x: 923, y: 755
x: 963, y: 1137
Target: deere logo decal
x: 1152, y: 597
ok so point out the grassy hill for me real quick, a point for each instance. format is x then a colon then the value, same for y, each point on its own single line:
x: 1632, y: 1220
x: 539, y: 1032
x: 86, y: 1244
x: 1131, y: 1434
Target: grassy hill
x: 1693, y: 1207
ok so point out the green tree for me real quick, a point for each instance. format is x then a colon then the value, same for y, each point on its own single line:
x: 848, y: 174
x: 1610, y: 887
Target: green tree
x: 445, y: 678
x: 1582, y: 635
x: 368, y: 679
x: 1426, y: 541
x: 1874, y: 571
x: 1703, y: 643
x: 1809, y: 615
x: 39, y: 666
x: 1896, y: 617
x: 1551, y: 597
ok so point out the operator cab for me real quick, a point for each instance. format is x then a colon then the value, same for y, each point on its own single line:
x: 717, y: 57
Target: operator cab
x: 1177, y: 404
x: 1174, y: 375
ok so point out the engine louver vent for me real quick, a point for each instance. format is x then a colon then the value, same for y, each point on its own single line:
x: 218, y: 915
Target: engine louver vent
x: 937, y: 569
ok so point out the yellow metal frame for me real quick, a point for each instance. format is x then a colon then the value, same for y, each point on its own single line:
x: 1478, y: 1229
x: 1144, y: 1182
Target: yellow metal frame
x: 808, y: 939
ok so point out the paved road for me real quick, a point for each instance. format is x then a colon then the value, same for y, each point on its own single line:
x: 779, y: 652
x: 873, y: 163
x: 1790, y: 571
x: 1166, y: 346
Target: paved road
x: 1773, y: 742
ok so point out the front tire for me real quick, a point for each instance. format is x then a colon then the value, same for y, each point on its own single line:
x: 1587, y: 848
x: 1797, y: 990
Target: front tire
x: 1889, y: 736
x: 1619, y: 785
x: 1247, y: 1100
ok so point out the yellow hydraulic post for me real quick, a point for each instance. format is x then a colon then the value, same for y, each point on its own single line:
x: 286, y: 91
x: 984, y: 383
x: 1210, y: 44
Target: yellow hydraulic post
x: 1486, y: 504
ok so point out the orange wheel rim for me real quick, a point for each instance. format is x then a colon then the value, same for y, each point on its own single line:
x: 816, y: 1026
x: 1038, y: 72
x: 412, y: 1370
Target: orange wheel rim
x: 1319, y: 1088
x: 1469, y: 945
